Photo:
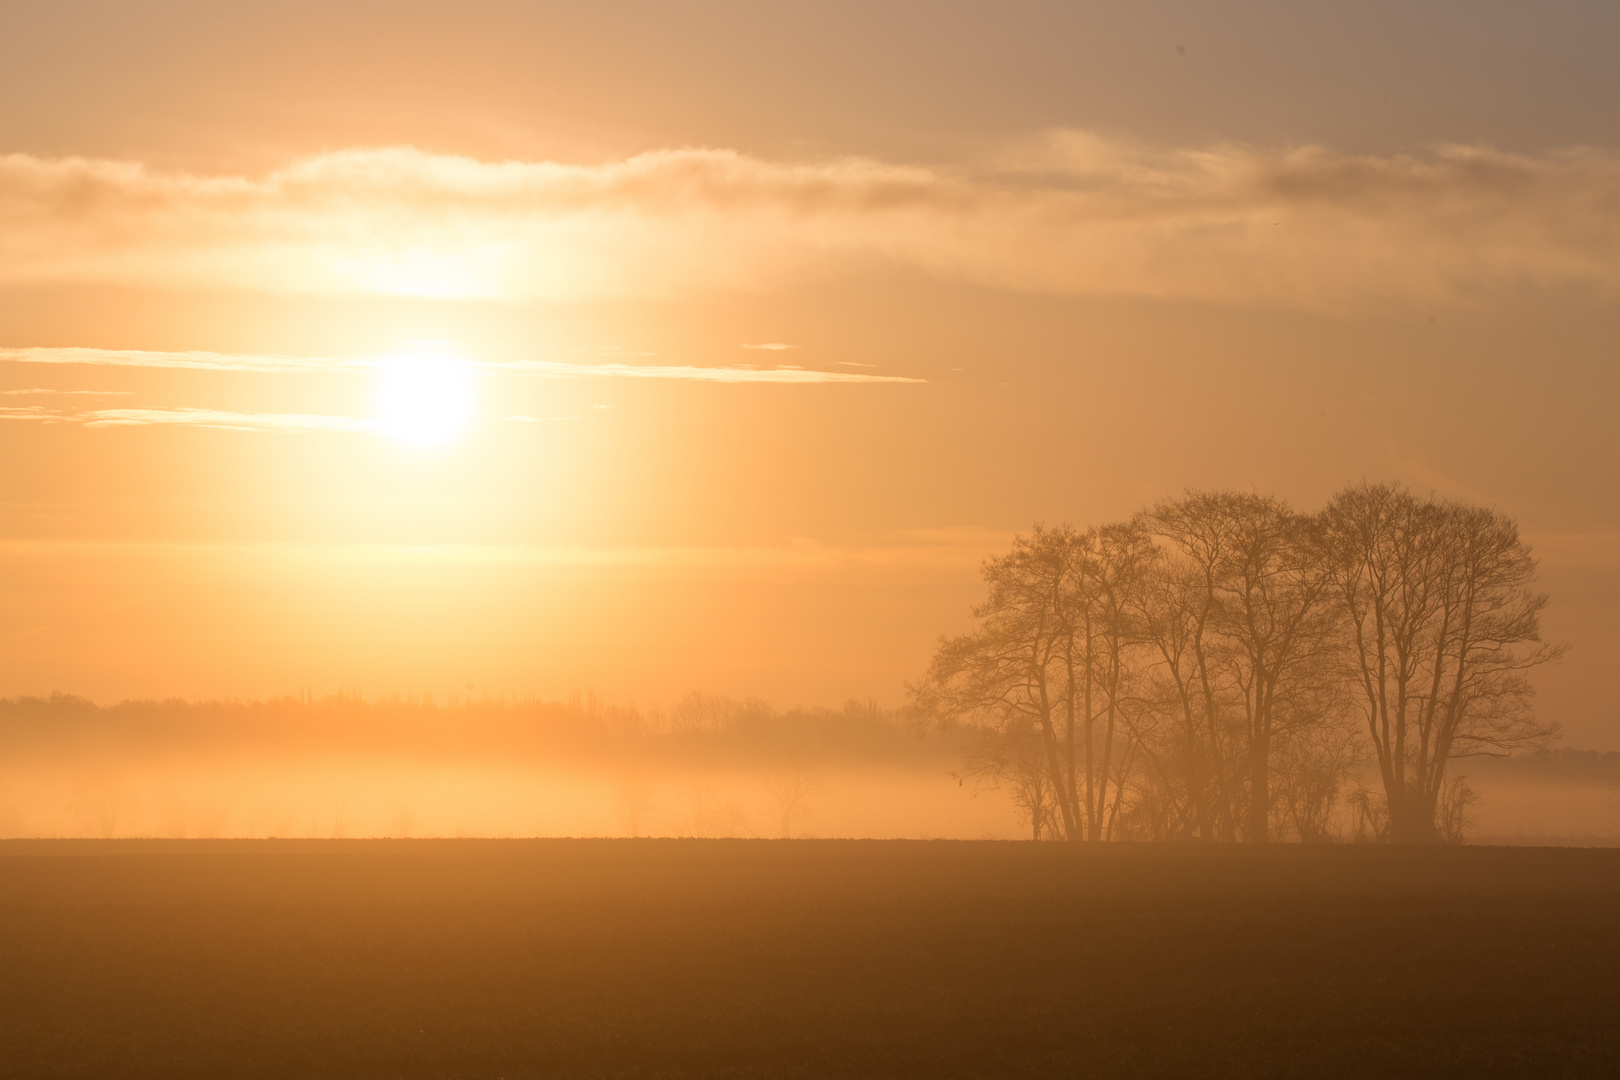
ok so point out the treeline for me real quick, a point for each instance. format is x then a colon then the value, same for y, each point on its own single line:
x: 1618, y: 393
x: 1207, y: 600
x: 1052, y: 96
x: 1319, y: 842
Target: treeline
x: 704, y: 727
x: 1220, y: 666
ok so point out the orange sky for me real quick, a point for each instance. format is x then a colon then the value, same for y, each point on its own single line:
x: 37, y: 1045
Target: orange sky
x: 1032, y: 262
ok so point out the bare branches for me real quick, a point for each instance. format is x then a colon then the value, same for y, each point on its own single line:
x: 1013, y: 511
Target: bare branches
x: 1197, y: 671
x: 1442, y: 631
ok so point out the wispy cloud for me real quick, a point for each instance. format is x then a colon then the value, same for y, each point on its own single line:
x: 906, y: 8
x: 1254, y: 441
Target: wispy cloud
x: 209, y: 418
x: 29, y: 412
x: 737, y: 374
x: 41, y: 391
x: 1078, y: 214
x: 773, y: 346
x: 234, y: 421
x: 194, y: 361
x: 208, y: 361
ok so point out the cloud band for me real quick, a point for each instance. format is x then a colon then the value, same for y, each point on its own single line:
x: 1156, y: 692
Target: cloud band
x: 1078, y: 214
x: 209, y: 361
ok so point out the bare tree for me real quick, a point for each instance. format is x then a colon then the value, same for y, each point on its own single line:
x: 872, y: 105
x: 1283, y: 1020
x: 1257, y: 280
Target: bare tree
x: 633, y: 798
x: 1015, y: 758
x: 1442, y: 630
x: 1054, y: 661
x: 1198, y: 671
x: 790, y: 789
x: 1180, y: 617
x: 1010, y: 673
x: 1242, y: 626
x: 1112, y: 570
x: 1313, y: 769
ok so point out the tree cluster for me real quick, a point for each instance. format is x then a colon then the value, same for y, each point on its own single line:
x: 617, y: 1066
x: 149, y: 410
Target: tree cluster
x: 1220, y: 667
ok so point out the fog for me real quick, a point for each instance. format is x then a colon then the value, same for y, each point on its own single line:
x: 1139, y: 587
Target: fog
x: 343, y: 766
x: 707, y: 766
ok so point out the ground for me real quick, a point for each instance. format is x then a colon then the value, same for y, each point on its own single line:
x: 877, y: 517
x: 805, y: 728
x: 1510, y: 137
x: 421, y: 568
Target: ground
x: 821, y: 958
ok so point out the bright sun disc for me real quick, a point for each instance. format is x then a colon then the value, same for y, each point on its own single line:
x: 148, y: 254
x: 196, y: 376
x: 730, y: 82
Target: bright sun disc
x: 425, y: 396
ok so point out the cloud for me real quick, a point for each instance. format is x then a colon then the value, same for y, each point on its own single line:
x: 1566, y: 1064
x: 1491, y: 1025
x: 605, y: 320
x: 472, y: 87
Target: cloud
x: 65, y: 393
x: 195, y: 361
x: 208, y: 361
x: 234, y: 421
x: 739, y: 374
x: 29, y: 412
x: 1076, y: 214
x: 209, y: 418
x: 774, y: 346
x: 520, y: 419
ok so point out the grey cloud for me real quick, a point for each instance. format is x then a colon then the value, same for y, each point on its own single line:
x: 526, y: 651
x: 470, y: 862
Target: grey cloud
x: 1077, y: 214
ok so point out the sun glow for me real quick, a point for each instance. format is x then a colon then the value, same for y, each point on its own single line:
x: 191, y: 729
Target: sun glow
x: 425, y: 395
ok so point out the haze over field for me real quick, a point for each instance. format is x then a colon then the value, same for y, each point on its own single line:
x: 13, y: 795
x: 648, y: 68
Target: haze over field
x: 517, y: 352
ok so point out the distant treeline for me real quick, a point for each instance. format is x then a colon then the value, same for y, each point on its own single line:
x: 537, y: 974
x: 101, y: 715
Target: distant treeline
x: 1222, y: 667
x: 699, y: 727
x: 1560, y: 765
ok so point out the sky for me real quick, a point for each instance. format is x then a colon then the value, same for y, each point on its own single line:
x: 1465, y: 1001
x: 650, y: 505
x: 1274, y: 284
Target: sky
x: 645, y: 348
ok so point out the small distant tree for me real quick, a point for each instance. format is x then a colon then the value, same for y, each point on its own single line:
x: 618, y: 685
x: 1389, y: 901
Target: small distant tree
x: 705, y: 814
x: 633, y: 799
x: 1313, y: 770
x: 1015, y: 759
x: 1454, y: 811
x: 790, y: 789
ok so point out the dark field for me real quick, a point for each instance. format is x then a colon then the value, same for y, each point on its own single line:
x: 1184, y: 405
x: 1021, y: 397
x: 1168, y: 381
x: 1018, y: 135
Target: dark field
x: 687, y: 958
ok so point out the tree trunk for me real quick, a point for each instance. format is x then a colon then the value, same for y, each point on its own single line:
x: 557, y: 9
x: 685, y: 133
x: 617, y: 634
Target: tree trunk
x: 1260, y: 792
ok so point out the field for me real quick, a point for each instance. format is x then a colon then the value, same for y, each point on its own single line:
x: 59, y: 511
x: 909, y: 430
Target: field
x: 745, y: 958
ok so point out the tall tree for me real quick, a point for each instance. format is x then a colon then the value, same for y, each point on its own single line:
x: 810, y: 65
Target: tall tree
x: 1013, y: 673
x: 1179, y: 621
x: 1109, y: 574
x: 1255, y: 619
x: 1442, y: 628
x: 1052, y: 661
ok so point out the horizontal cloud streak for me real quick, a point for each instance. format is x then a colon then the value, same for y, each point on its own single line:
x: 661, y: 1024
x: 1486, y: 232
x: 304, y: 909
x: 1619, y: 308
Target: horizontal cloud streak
x: 207, y: 361
x: 210, y: 418
x: 29, y: 412
x: 234, y: 421
x: 1082, y: 216
x: 695, y: 374
x: 193, y: 361
x: 41, y: 392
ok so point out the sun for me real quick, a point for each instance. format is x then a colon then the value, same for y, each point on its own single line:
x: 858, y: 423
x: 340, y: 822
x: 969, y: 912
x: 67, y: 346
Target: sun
x: 425, y: 394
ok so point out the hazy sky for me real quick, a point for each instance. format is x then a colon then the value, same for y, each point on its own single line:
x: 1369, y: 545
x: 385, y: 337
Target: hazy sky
x: 406, y: 345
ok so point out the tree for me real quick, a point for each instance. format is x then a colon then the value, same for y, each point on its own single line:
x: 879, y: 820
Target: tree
x: 790, y: 789
x: 1112, y: 569
x: 1201, y: 671
x: 1179, y: 616
x: 1052, y: 661
x: 1441, y: 630
x: 1241, y: 625
x: 1014, y: 757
